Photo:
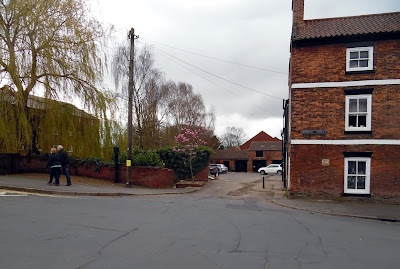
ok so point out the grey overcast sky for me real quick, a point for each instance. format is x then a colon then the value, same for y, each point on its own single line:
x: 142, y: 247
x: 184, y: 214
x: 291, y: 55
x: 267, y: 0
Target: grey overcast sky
x: 253, y: 33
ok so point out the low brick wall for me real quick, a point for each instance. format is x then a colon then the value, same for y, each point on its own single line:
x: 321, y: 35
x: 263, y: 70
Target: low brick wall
x: 153, y: 177
x: 202, y: 175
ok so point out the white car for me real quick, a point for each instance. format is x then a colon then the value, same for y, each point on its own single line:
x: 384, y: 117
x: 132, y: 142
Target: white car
x: 271, y: 169
x: 223, y: 168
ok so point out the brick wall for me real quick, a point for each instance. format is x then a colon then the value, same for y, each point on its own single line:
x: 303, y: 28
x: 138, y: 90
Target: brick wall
x: 324, y: 109
x: 323, y: 63
x: 269, y: 156
x: 202, y: 175
x: 309, y: 176
x: 153, y: 177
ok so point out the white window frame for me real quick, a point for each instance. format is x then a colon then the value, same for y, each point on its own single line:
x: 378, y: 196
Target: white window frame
x: 370, y: 58
x: 70, y: 149
x: 367, y: 175
x: 368, y: 113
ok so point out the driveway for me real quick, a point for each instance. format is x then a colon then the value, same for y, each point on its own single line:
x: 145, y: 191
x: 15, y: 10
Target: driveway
x: 243, y: 186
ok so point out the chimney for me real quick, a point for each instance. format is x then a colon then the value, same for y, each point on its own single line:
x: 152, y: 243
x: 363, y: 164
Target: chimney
x: 298, y: 11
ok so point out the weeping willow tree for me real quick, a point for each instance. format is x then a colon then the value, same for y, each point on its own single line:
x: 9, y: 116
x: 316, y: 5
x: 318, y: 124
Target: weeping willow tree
x: 51, y: 46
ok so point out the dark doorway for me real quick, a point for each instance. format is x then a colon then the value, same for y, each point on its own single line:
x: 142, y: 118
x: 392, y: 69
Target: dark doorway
x: 259, y: 163
x: 226, y: 163
x: 240, y: 166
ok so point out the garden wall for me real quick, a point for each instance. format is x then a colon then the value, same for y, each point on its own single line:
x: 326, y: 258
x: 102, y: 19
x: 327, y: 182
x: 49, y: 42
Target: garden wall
x: 153, y: 177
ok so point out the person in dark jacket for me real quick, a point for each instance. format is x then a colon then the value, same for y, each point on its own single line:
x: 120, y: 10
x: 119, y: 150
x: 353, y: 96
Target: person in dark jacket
x: 55, y: 166
x: 63, y: 155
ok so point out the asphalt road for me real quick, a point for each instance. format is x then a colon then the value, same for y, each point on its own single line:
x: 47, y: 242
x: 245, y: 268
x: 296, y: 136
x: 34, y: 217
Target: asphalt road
x: 225, y: 225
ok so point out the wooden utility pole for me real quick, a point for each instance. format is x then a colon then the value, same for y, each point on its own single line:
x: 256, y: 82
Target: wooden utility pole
x: 130, y: 92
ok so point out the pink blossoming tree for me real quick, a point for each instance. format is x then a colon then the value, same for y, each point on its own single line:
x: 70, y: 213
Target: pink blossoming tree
x: 188, y: 142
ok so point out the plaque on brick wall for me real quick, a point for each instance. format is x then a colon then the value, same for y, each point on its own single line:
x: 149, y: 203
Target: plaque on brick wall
x: 325, y: 162
x: 314, y: 132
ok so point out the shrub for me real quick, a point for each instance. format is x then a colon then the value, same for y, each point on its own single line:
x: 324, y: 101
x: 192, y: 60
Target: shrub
x: 179, y: 161
x: 97, y: 162
x: 141, y: 158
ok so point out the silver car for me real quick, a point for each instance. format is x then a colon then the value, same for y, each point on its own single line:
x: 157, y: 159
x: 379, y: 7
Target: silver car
x: 224, y: 169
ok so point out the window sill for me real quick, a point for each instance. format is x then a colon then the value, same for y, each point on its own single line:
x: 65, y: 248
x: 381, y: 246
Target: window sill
x: 357, y: 132
x: 356, y: 195
x: 360, y: 72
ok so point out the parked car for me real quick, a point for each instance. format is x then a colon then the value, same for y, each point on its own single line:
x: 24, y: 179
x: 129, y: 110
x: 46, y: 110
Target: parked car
x: 223, y: 168
x: 216, y: 166
x: 213, y: 170
x: 271, y: 169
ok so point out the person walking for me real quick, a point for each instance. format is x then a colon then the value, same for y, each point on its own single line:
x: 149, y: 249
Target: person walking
x: 63, y: 155
x: 55, y: 166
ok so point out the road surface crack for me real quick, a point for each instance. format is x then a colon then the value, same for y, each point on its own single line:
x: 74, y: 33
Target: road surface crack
x: 108, y: 244
x: 238, y: 241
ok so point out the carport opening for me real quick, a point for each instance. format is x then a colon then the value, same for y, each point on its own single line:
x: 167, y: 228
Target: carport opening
x: 240, y: 166
x: 226, y: 163
x: 259, y: 163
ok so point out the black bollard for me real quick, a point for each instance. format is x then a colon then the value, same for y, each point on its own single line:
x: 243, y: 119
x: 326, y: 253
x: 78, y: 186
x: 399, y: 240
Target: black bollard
x: 116, y: 162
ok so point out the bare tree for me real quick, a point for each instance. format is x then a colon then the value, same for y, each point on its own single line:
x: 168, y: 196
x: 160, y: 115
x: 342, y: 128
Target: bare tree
x: 233, y: 137
x: 149, y: 95
x: 185, y: 106
x: 53, y: 45
x: 160, y: 108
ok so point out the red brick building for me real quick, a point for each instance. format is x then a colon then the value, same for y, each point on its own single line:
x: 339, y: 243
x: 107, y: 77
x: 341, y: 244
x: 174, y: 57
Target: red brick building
x: 257, y: 152
x: 342, y: 132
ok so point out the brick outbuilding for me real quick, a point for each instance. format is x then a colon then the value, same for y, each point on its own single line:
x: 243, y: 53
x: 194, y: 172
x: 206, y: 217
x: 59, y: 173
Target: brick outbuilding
x: 257, y: 152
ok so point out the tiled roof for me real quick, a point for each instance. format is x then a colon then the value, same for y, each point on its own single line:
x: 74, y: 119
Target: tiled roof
x: 261, y: 136
x: 348, y: 26
x: 231, y: 154
x: 266, y: 145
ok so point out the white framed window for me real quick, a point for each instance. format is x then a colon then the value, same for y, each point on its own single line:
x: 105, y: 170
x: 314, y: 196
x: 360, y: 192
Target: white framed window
x: 359, y: 59
x: 70, y: 149
x: 358, y: 112
x: 357, y: 172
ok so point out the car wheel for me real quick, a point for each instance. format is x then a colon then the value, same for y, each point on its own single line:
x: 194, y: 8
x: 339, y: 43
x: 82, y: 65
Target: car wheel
x: 279, y: 173
x: 262, y: 172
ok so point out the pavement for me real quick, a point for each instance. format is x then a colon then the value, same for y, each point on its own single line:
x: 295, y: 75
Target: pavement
x: 365, y: 209
x: 38, y: 184
x: 273, y: 188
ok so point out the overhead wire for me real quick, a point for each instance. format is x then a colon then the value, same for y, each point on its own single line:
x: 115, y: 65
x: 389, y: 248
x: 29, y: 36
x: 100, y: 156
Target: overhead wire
x: 205, y: 78
x: 217, y: 59
x: 219, y: 77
